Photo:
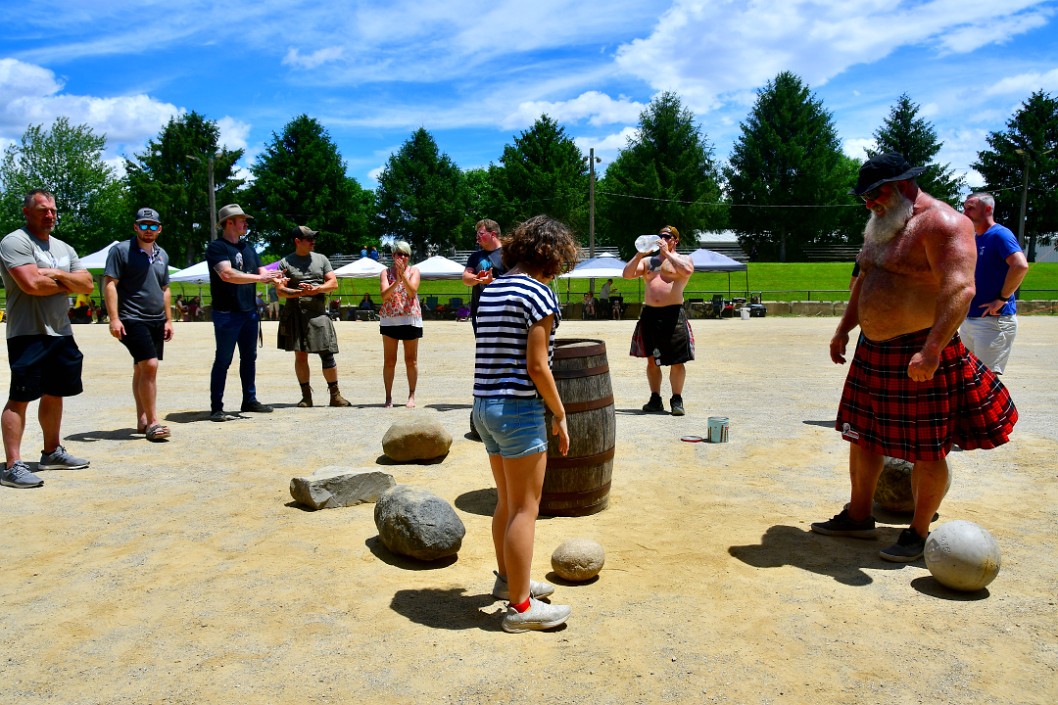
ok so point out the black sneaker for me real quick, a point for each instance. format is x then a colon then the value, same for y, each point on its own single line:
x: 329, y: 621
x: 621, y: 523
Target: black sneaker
x: 655, y: 405
x: 676, y: 403
x: 256, y: 407
x: 844, y: 525
x: 908, y: 547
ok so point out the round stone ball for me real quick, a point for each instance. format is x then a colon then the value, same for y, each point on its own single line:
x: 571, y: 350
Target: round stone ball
x: 893, y: 492
x: 578, y: 560
x: 962, y: 555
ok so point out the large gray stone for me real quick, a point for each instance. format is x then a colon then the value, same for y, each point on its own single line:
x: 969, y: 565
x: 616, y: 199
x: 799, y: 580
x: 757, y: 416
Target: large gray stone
x: 339, y: 487
x: 417, y: 523
x: 417, y: 438
x: 578, y: 559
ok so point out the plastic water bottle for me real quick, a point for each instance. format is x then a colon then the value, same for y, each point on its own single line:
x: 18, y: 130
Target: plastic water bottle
x: 647, y: 243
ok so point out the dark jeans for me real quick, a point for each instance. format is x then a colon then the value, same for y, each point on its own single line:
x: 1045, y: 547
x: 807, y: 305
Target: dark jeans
x: 231, y: 329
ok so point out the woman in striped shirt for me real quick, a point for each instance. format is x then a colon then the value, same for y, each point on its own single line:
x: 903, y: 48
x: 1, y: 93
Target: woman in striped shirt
x: 516, y: 319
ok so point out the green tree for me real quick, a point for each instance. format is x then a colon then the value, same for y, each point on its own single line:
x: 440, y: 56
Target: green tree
x: 788, y: 180
x: 543, y: 172
x: 420, y: 195
x: 1022, y: 161
x: 66, y: 160
x: 914, y: 137
x: 665, y: 175
x: 300, y: 179
x: 172, y: 176
x: 481, y: 201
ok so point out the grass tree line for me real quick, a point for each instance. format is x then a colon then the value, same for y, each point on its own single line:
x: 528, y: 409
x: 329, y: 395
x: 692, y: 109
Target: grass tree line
x: 783, y: 189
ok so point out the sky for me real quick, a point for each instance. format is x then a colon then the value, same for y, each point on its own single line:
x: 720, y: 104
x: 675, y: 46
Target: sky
x: 475, y: 74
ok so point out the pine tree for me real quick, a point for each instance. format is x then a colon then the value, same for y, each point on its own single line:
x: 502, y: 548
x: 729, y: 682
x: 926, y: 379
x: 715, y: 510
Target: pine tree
x: 420, y: 195
x: 1028, y: 147
x: 788, y: 179
x: 172, y: 176
x: 300, y: 179
x: 665, y: 176
x: 915, y: 138
x: 543, y: 172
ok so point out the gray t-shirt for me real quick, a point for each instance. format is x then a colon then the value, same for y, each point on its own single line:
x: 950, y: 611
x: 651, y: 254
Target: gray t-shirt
x: 141, y: 282
x: 28, y: 314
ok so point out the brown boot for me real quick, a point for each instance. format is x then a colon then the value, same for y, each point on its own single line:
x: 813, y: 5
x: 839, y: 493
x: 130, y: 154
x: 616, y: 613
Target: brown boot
x: 306, y: 395
x: 336, y: 397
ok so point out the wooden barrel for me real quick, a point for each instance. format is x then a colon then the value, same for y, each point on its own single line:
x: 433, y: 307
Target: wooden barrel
x: 578, y: 483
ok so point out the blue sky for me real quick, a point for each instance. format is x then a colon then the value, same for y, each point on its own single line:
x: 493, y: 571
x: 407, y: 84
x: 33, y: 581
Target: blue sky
x: 477, y: 73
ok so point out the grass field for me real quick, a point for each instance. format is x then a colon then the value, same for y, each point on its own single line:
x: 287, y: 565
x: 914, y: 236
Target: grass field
x: 774, y: 281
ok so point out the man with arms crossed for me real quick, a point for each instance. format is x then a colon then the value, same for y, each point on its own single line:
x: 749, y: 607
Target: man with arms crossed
x: 136, y: 291
x: 39, y: 272
x: 992, y: 323
x: 234, y: 272
x: 663, y: 334
x: 912, y: 389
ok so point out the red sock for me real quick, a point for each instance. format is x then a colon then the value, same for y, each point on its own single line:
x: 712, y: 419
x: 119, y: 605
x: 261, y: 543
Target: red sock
x: 522, y: 607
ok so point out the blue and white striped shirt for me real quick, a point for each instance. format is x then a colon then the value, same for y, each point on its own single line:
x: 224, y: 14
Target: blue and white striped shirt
x: 508, y: 307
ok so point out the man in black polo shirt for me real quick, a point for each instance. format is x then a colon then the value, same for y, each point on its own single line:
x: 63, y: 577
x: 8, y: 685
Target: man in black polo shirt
x: 136, y: 292
x: 234, y: 272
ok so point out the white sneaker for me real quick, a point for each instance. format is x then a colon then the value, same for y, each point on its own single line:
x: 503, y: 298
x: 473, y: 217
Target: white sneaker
x: 536, y: 589
x: 540, y: 615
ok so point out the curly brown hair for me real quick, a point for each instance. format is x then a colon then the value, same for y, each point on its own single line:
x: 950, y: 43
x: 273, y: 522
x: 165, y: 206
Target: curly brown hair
x: 541, y: 243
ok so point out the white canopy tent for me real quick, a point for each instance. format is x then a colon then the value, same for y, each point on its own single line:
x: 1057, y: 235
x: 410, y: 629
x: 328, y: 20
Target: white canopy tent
x: 97, y: 261
x: 363, y: 268
x: 603, y: 267
x: 438, y: 267
x: 195, y: 274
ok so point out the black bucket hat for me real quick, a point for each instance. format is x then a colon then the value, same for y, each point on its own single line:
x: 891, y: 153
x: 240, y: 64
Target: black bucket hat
x: 883, y: 169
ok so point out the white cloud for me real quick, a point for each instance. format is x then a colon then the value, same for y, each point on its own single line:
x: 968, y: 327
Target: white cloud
x: 233, y: 133
x: 594, y: 107
x: 705, y: 51
x: 32, y: 95
x: 1023, y: 84
x: 854, y: 148
x: 317, y: 58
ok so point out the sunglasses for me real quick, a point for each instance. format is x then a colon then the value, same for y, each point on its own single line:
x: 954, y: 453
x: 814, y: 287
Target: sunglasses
x: 667, y: 236
x: 310, y: 240
x: 401, y: 254
x: 871, y: 195
x: 148, y: 226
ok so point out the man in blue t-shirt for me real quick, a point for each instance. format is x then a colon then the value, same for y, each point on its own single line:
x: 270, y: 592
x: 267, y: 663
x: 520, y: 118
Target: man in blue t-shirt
x: 234, y: 272
x: 992, y: 323
x: 482, y: 268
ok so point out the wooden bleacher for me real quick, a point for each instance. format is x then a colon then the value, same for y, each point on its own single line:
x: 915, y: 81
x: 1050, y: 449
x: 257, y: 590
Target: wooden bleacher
x: 832, y: 253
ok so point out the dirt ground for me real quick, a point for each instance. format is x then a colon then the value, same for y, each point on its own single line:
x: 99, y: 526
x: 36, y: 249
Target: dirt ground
x: 182, y: 572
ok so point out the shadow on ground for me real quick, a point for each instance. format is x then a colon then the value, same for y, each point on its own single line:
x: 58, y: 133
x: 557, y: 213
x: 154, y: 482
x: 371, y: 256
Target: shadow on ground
x: 842, y: 559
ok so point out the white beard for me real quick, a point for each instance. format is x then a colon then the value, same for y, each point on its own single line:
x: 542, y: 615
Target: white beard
x: 882, y: 229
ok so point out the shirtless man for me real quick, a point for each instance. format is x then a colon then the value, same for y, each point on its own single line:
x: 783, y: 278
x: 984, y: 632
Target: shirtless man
x: 908, y: 393
x: 663, y: 335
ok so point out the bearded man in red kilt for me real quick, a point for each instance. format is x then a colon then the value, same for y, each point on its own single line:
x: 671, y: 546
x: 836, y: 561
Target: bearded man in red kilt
x: 913, y: 390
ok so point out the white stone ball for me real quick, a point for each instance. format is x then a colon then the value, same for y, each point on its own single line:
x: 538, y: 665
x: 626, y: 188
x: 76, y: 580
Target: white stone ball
x: 578, y: 559
x: 962, y: 555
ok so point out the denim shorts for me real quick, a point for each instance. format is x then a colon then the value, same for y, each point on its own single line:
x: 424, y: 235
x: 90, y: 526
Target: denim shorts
x: 513, y: 427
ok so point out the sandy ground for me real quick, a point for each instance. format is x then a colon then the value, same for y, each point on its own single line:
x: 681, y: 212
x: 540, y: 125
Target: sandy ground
x: 182, y: 573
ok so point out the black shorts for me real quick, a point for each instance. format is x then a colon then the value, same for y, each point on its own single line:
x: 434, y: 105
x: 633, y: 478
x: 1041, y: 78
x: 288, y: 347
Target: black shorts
x: 664, y: 329
x: 144, y: 339
x: 44, y: 364
x: 401, y: 332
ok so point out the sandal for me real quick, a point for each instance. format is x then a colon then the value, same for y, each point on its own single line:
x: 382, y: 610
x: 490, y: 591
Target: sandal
x: 157, y: 432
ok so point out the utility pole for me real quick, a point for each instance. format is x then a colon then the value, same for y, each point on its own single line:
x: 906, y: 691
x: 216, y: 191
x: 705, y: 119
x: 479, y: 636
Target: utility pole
x: 592, y: 160
x: 1029, y: 248
x: 212, y: 194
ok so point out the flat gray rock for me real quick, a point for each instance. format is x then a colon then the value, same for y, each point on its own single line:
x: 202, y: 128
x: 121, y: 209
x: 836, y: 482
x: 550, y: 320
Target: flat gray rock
x: 416, y: 439
x: 417, y: 523
x: 332, y: 486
